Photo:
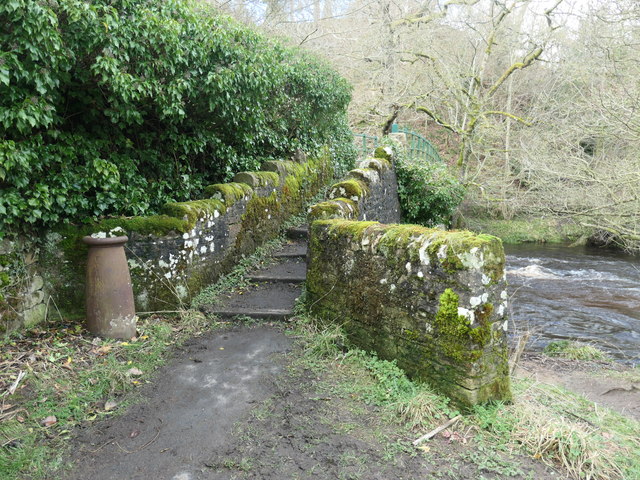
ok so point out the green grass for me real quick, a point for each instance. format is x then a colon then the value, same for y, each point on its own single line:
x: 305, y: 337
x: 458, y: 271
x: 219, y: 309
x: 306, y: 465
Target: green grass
x: 530, y: 230
x: 575, y: 351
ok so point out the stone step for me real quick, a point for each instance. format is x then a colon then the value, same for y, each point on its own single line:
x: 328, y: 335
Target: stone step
x: 264, y: 300
x: 301, y: 232
x: 263, y: 314
x: 287, y: 270
x: 265, y: 278
x: 292, y: 249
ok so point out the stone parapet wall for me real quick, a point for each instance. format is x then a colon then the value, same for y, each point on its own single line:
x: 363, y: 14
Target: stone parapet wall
x: 433, y: 300
x: 369, y: 192
x: 173, y: 255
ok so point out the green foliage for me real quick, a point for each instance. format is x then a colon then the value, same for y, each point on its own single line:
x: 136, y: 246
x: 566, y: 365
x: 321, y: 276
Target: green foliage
x: 429, y: 194
x: 575, y: 351
x: 119, y: 106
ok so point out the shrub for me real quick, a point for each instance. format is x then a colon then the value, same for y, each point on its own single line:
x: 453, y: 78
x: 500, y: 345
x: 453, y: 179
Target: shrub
x: 118, y: 106
x: 429, y: 194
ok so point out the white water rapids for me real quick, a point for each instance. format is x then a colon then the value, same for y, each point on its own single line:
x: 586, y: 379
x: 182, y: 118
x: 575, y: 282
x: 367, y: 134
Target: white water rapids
x: 585, y: 294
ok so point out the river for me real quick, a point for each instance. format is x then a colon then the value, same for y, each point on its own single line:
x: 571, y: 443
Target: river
x: 586, y: 294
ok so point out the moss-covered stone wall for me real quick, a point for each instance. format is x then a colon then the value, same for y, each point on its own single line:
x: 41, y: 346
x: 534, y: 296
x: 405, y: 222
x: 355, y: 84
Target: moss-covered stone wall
x: 433, y: 300
x: 369, y: 192
x: 24, y: 299
x: 173, y: 255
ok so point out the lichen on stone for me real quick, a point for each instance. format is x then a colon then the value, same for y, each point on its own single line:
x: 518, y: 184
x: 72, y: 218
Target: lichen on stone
x: 378, y: 164
x: 367, y: 175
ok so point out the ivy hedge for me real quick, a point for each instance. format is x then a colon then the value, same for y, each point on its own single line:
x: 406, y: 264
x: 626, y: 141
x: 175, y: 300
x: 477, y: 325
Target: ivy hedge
x: 114, y: 107
x: 429, y: 194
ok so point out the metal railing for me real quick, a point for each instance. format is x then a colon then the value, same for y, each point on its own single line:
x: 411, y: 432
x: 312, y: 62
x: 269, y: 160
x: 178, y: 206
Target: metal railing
x: 365, y: 144
x: 417, y: 145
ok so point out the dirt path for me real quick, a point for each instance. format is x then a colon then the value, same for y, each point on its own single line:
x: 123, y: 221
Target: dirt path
x: 189, y: 410
x: 240, y: 404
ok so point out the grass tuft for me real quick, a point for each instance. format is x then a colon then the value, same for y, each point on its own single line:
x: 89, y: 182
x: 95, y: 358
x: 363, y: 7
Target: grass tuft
x: 575, y: 351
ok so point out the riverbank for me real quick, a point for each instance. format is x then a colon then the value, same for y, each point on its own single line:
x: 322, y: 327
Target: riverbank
x: 532, y: 230
x: 605, y: 383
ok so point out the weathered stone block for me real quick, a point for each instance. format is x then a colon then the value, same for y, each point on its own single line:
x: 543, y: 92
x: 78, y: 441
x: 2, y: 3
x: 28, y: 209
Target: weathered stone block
x: 368, y: 192
x: 433, y: 300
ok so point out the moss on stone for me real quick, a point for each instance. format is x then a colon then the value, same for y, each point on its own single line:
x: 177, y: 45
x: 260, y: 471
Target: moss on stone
x: 258, y: 179
x: 292, y: 186
x: 453, y: 250
x: 455, y: 332
x: 294, y: 168
x: 229, y: 193
x: 352, y: 189
x: 381, y: 152
x: 63, y: 260
x: 499, y: 388
x: 363, y: 273
x: 353, y: 229
x: 378, y: 164
x: 337, y: 208
x: 194, y: 210
x: 158, y: 225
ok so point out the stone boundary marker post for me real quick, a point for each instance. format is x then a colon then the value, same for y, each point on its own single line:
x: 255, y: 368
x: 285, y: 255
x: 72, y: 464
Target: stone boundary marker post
x: 433, y: 300
x: 109, y: 294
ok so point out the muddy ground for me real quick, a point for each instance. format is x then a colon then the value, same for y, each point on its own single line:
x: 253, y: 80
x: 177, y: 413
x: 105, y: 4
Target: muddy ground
x: 601, y: 382
x: 240, y: 403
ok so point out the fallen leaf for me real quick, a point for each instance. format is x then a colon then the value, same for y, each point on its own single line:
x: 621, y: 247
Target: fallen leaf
x: 424, y: 448
x: 134, y: 434
x: 67, y: 364
x: 50, y: 420
x: 103, y: 350
x: 134, y: 372
x: 110, y: 405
